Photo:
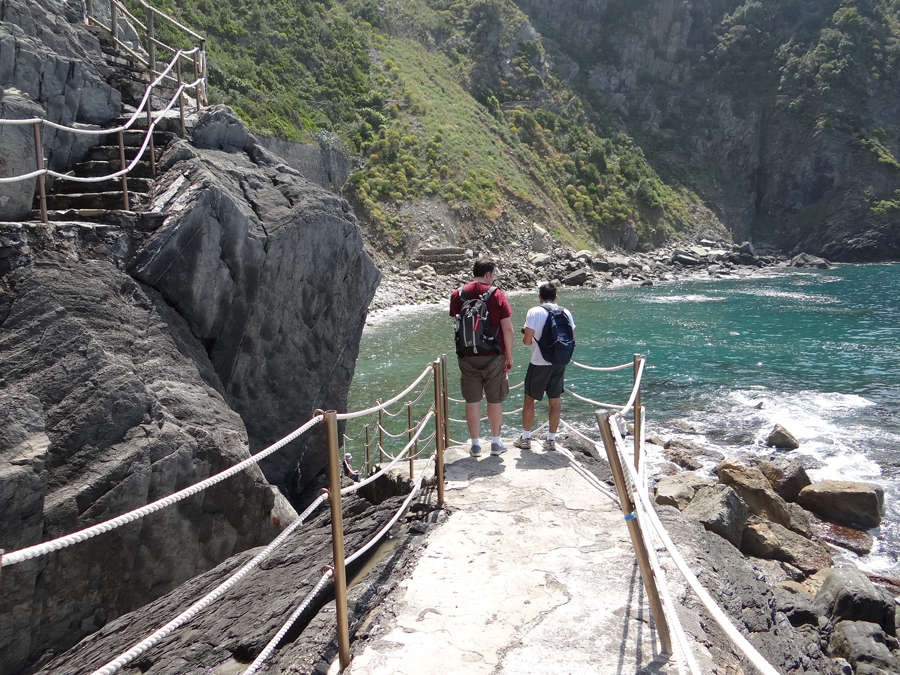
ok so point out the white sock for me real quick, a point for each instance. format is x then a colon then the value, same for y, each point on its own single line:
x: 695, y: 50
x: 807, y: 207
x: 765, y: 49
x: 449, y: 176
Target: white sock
x: 496, y: 439
x: 526, y: 434
x: 551, y: 436
x: 475, y: 441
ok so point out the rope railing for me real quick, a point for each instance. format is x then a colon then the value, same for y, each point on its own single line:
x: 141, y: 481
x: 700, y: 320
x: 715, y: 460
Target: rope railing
x: 82, y: 535
x: 602, y: 370
x: 138, y: 649
x: 383, y: 405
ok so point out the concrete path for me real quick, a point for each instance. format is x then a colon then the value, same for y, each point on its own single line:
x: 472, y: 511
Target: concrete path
x: 532, y: 572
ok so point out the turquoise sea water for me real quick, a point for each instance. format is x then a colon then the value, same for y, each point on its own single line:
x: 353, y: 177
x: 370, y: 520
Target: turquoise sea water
x: 820, y: 350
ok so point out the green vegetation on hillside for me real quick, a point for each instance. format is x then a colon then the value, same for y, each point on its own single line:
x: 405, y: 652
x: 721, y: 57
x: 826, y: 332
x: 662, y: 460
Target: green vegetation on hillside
x: 455, y: 100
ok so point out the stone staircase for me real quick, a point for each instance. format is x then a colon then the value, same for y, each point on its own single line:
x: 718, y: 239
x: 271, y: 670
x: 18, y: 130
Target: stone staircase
x: 447, y: 260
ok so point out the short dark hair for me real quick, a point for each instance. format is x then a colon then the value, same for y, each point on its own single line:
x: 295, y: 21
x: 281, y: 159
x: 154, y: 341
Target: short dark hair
x: 547, y: 292
x: 482, y: 266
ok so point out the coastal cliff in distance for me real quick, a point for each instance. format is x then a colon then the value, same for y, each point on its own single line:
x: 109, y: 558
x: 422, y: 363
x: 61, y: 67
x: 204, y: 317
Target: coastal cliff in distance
x: 139, y: 356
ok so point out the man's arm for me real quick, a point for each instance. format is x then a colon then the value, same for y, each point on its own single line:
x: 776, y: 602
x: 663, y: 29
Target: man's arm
x: 506, y: 327
x: 528, y: 336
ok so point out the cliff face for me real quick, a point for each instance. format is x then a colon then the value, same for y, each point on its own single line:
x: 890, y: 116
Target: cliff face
x: 781, y: 117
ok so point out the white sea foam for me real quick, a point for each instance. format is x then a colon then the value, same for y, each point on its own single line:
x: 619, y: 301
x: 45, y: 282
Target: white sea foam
x: 380, y: 317
x: 676, y: 299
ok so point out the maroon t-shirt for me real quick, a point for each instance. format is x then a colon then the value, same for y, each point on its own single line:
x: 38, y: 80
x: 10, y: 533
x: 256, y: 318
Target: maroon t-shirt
x: 498, y: 307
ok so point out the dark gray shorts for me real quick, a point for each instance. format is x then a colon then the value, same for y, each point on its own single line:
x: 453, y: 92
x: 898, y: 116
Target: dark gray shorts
x: 540, y: 380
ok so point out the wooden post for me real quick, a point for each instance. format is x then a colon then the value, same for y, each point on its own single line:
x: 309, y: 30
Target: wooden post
x: 634, y: 531
x: 380, y: 434
x: 446, y: 402
x: 180, y: 97
x: 439, y: 429
x: 151, y: 43
x: 39, y: 162
x: 203, y: 70
x: 88, y: 11
x: 637, y: 414
x: 124, y: 175
x: 150, y: 131
x: 337, y: 538
x: 114, y: 23
x: 412, y: 454
x: 197, y: 80
x: 368, y: 457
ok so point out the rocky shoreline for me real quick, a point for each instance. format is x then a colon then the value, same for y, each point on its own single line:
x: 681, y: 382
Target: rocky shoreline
x: 431, y: 274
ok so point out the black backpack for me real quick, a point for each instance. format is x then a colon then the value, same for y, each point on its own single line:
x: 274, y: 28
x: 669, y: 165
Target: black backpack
x: 472, y: 328
x: 556, y: 342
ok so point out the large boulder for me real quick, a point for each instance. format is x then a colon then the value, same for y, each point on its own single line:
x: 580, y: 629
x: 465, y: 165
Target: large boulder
x: 541, y: 241
x: 848, y: 595
x: 787, y: 477
x: 755, y: 490
x: 269, y: 272
x: 770, y: 540
x: 847, y: 503
x: 109, y: 403
x: 811, y: 261
x: 866, y: 647
x: 17, y: 156
x: 721, y: 510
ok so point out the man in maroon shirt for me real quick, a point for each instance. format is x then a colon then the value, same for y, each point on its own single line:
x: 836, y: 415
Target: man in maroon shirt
x: 486, y: 374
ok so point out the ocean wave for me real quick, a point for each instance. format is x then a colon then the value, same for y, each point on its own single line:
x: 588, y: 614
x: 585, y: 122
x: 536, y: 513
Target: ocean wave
x: 676, y: 299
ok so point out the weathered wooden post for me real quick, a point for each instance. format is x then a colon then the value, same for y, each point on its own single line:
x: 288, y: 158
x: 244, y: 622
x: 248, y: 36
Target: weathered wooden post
x: 634, y: 531
x: 439, y: 429
x: 39, y: 162
x: 637, y: 413
x: 337, y: 538
x: 124, y: 166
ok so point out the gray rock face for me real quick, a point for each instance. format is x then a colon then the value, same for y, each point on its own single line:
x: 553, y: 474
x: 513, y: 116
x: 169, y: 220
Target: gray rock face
x: 17, y: 156
x: 721, y: 510
x: 848, y: 595
x: 109, y: 403
x: 57, y: 63
x: 541, y: 241
x: 270, y: 274
x: 740, y: 589
x: 866, y: 647
x: 855, y: 504
x: 324, y: 165
x: 808, y: 260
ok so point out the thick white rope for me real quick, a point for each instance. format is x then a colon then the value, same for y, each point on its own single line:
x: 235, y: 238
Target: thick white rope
x: 87, y: 533
x: 711, y: 605
x: 635, y: 389
x: 604, y: 370
x: 206, y: 601
x: 394, y: 460
x: 273, y: 643
x: 382, y: 406
x: 608, y: 406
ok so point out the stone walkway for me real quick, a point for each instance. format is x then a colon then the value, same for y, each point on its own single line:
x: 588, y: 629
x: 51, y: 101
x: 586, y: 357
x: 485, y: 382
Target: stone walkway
x: 533, y: 572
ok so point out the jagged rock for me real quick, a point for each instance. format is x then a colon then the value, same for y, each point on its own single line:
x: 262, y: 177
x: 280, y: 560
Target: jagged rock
x: 807, y: 260
x: 782, y: 438
x: 243, y: 232
x: 539, y: 259
x: 681, y: 457
x: 846, y: 503
x: 693, y: 449
x: 798, y: 608
x: 787, y: 477
x: 684, y: 259
x: 238, y: 625
x: 17, y: 155
x: 584, y: 256
x: 719, y: 509
x: 110, y: 403
x: 541, y: 241
x: 865, y: 646
x: 770, y: 540
x: 848, y: 595
x: 741, y: 591
x: 755, y: 490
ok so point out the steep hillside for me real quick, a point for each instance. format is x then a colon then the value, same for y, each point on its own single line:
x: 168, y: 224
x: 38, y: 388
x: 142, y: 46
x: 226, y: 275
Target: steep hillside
x: 614, y: 122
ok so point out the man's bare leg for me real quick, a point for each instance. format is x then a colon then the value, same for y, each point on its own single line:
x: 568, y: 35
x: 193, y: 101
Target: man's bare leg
x: 495, y: 417
x: 473, y: 418
x: 528, y: 413
x: 555, y: 414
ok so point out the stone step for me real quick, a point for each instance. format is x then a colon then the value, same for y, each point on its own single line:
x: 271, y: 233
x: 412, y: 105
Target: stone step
x: 134, y: 138
x: 104, y: 168
x: 147, y: 221
x: 69, y: 187
x: 101, y: 153
x: 93, y: 200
